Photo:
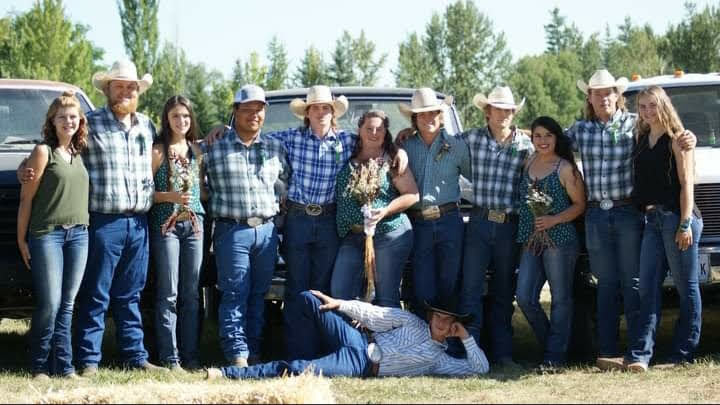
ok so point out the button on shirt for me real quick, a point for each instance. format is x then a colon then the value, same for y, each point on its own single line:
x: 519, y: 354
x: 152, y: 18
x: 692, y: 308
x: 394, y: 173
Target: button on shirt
x: 437, y: 167
x: 242, y: 179
x: 406, y: 344
x: 606, y: 154
x: 119, y: 163
x: 497, y: 169
x: 315, y: 162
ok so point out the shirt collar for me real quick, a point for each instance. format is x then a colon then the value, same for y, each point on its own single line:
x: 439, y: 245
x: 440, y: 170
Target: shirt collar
x: 332, y: 134
x: 111, y: 116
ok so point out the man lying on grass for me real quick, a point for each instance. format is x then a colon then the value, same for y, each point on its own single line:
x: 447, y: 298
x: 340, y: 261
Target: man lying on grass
x: 397, y: 342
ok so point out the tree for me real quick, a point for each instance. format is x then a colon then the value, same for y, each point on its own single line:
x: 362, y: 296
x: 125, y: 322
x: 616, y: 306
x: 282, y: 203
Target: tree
x: 366, y: 66
x: 694, y: 44
x: 635, y: 51
x: 560, y: 36
x: 139, y: 22
x: 251, y: 71
x: 414, y: 66
x: 353, y: 61
x: 277, y: 73
x: 312, y: 69
x: 340, y: 71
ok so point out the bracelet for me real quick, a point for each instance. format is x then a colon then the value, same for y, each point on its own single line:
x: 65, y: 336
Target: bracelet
x: 685, y: 225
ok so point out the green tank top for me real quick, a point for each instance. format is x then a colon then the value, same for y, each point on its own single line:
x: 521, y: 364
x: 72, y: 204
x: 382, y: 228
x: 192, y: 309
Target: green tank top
x: 348, y: 209
x: 62, y: 196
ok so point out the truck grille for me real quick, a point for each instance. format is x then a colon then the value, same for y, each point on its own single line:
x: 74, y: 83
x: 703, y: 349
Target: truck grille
x: 707, y: 198
x: 9, y: 201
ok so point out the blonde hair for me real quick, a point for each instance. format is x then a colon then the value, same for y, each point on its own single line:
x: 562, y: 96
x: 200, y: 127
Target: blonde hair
x: 79, y: 139
x: 666, y: 113
x: 590, y: 111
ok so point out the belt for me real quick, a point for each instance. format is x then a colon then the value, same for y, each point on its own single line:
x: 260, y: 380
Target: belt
x: 497, y: 216
x: 432, y: 212
x: 356, y: 228
x: 608, y: 204
x: 312, y: 210
x: 252, y: 222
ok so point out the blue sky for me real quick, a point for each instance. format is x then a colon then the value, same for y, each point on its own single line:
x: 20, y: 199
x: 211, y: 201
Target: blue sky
x: 217, y: 32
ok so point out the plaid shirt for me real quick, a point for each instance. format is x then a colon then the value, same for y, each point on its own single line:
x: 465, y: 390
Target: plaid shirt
x: 606, y: 154
x: 315, y: 162
x: 242, y: 179
x: 437, y: 168
x: 119, y: 163
x: 497, y: 169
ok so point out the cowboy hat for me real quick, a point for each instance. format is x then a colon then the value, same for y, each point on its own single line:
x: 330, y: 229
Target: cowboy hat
x: 319, y: 95
x: 447, y: 309
x: 602, y: 79
x: 424, y: 99
x: 500, y: 97
x: 123, y: 70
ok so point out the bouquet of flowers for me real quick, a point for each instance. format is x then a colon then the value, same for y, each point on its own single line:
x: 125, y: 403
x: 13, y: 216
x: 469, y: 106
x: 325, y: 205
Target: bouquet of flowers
x: 540, y: 204
x: 180, y: 173
x: 364, y: 187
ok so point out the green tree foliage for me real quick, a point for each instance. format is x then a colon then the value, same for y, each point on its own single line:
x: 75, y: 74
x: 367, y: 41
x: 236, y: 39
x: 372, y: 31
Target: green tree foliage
x: 560, y: 36
x: 340, y: 71
x: 693, y: 45
x: 635, y: 51
x: 312, y: 69
x: 353, y: 61
x: 366, y: 65
x: 139, y: 21
x: 414, y: 66
x: 277, y: 73
x: 252, y: 71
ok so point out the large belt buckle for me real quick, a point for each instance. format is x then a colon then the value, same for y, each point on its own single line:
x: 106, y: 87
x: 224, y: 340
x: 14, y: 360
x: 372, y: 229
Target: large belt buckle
x: 313, y: 209
x: 606, y: 204
x: 496, y: 216
x: 430, y: 213
x: 254, y: 222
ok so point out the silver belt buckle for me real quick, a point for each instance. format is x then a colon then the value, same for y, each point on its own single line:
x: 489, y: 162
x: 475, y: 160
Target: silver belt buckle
x: 254, y: 222
x: 313, y: 209
x: 496, y: 216
x: 606, y: 204
x: 431, y: 213
x: 374, y: 353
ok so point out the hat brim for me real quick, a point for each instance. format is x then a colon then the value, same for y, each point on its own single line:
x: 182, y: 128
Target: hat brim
x: 480, y: 101
x: 101, y: 79
x: 621, y: 85
x: 462, y: 318
x: 299, y: 106
x: 408, y: 111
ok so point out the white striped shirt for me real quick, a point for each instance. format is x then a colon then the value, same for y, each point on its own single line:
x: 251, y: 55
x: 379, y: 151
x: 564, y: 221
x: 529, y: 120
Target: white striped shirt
x: 407, y: 347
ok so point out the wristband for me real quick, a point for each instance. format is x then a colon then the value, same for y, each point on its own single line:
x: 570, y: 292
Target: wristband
x: 685, y: 225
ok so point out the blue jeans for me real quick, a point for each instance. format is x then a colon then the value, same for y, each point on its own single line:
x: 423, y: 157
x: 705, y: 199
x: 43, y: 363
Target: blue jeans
x: 391, y: 252
x: 557, y: 267
x: 245, y: 258
x: 343, y: 348
x: 436, y: 259
x: 309, y: 247
x: 58, y: 263
x: 178, y: 257
x: 613, y: 242
x: 658, y: 248
x: 115, y: 275
x: 490, y: 245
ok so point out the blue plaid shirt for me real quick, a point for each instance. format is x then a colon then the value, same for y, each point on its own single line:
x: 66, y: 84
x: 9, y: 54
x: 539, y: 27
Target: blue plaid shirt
x: 437, y: 168
x: 606, y: 154
x: 243, y: 179
x: 497, y: 169
x: 315, y: 162
x: 119, y: 163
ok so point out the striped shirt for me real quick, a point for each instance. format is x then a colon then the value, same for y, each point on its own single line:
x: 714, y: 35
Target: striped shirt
x: 119, y: 163
x: 606, y: 154
x: 242, y: 179
x: 497, y: 169
x: 407, y: 347
x: 315, y: 162
x: 437, y: 168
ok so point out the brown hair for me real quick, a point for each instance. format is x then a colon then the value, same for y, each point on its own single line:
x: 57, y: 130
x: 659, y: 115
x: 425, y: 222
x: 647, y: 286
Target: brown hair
x: 166, y: 131
x: 389, y: 146
x: 333, y: 122
x: 79, y: 139
x: 590, y: 111
x: 413, y: 120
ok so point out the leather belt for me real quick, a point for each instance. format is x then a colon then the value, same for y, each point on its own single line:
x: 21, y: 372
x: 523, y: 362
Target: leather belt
x: 312, y: 210
x: 609, y: 204
x: 252, y: 222
x: 497, y: 216
x: 432, y: 212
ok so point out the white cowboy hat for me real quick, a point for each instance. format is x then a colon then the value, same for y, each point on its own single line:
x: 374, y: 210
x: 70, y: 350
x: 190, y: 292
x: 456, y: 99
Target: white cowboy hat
x: 602, y: 79
x: 123, y: 70
x: 500, y: 97
x: 424, y: 99
x: 319, y: 95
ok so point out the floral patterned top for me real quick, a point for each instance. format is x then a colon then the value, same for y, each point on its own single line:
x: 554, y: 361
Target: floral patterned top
x: 348, y: 209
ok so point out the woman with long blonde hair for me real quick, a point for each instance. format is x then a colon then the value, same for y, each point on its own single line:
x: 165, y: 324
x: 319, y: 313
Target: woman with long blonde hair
x: 664, y: 187
x: 54, y: 212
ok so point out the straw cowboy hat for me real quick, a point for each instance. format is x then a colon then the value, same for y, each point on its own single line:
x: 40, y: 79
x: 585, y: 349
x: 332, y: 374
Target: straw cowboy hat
x: 319, y: 95
x: 602, y: 79
x: 499, y: 97
x: 424, y: 99
x: 123, y: 70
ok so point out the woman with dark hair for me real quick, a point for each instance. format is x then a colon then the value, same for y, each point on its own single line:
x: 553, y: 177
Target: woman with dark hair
x: 393, y: 233
x: 54, y: 206
x: 554, y: 195
x: 176, y: 226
